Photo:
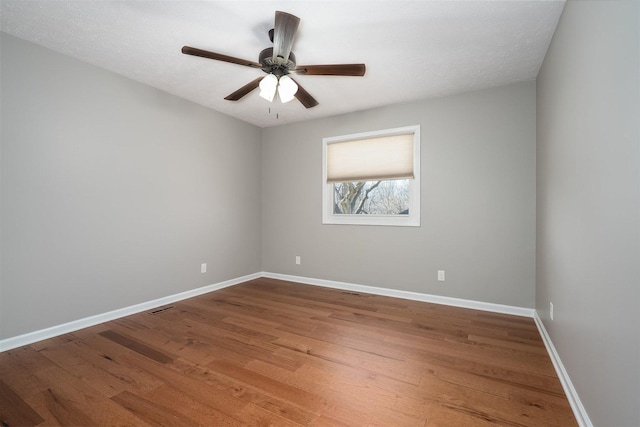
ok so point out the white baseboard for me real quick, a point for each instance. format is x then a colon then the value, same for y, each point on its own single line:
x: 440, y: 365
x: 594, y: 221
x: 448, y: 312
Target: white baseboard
x: 65, y: 328
x: 576, y: 405
x: 572, y: 395
x: 35, y: 336
x: 456, y: 302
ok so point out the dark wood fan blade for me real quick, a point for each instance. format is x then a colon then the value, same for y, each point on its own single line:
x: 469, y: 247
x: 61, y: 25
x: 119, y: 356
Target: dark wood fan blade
x: 285, y: 30
x: 244, y: 90
x: 188, y: 50
x: 305, y: 97
x: 332, y: 70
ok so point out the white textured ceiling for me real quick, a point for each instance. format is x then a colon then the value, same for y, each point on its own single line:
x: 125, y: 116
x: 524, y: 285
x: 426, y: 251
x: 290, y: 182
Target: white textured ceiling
x: 412, y: 49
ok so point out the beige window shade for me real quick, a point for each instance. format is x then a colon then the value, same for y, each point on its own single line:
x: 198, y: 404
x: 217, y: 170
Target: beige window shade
x: 387, y: 157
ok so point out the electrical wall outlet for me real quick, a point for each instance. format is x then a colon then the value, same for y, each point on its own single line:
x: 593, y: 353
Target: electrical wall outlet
x: 440, y: 275
x: 297, y: 260
x: 551, y: 310
x: 203, y: 267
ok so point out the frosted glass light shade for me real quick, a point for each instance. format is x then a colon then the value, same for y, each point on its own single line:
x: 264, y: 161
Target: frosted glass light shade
x: 268, y: 87
x: 287, y: 89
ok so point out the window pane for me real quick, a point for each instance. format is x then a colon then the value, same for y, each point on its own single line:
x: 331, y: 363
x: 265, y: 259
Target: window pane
x: 388, y: 197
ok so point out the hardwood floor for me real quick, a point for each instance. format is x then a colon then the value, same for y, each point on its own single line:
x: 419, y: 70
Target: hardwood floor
x: 269, y: 352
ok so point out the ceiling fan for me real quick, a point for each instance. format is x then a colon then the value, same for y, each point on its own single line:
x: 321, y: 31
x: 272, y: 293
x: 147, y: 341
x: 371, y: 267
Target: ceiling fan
x: 278, y: 62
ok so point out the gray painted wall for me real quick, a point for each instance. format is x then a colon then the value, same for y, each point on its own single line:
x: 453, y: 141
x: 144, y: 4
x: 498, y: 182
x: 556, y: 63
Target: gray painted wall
x: 588, y: 215
x: 477, y: 207
x: 114, y: 193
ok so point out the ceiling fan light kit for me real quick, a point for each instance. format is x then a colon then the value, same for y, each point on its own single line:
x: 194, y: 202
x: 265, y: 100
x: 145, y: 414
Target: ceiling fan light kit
x: 278, y: 61
x: 284, y: 85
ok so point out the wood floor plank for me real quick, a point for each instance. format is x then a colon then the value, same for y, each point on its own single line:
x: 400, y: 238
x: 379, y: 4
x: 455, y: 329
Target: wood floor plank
x: 291, y: 393
x: 136, y: 346
x: 488, y: 406
x: 21, y: 380
x: 72, y: 401
x: 64, y: 410
x: 439, y: 415
x: 241, y: 399
x: 363, y: 396
x: 14, y: 410
x: 231, y: 398
x: 102, y: 371
x: 29, y: 358
x: 275, y: 353
x: 151, y: 412
x: 172, y: 339
x: 201, y: 413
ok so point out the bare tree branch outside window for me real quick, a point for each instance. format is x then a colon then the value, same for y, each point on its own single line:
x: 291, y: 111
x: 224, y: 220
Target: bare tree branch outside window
x: 388, y: 197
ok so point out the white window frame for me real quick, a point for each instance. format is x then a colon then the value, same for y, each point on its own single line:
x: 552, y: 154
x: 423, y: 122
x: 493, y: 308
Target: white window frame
x: 410, y: 220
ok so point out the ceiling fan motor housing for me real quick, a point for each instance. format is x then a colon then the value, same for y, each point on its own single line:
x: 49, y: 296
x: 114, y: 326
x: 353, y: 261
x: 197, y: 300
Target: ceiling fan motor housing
x: 270, y: 66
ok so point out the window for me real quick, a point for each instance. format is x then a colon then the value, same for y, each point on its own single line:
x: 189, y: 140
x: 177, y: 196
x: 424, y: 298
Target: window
x: 372, y: 178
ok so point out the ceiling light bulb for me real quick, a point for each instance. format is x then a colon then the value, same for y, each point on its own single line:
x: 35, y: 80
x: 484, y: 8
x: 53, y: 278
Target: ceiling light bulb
x: 268, y: 87
x: 287, y: 89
